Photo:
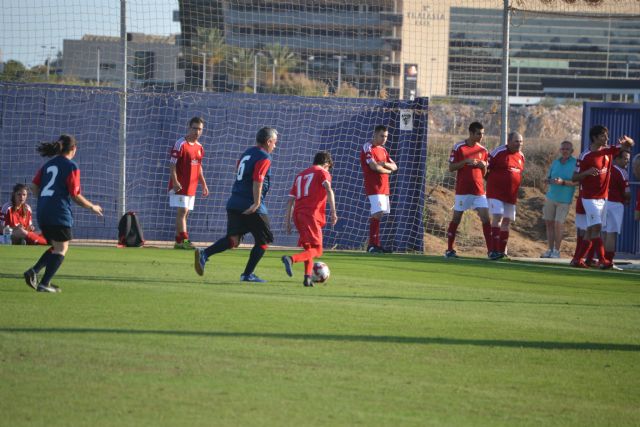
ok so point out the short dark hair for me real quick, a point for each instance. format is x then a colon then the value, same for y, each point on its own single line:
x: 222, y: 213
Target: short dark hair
x: 621, y: 153
x: 265, y: 134
x: 379, y: 128
x: 597, y: 130
x: 198, y: 120
x: 475, y: 126
x: 323, y: 157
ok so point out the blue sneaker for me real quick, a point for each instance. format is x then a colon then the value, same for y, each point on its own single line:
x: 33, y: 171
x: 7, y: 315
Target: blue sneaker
x: 251, y: 278
x: 200, y: 261
x: 288, y: 263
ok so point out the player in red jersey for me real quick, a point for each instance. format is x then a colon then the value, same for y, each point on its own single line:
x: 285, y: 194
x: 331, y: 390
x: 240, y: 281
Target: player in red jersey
x: 185, y: 171
x: 504, y: 176
x: 593, y: 171
x: 17, y: 215
x: 306, y: 206
x: 469, y: 159
x: 635, y: 167
x: 619, y: 196
x: 376, y: 167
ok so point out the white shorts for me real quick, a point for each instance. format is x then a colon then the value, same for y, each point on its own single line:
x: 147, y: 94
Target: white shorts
x: 379, y: 203
x: 581, y: 221
x: 181, y: 201
x: 613, y: 217
x: 506, y: 210
x: 595, y: 211
x: 469, y: 201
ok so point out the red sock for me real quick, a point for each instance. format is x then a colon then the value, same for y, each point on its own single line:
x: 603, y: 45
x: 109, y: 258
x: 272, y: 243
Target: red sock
x: 179, y: 238
x: 584, y: 248
x: 579, y: 240
x: 590, y: 253
x: 374, y: 231
x: 495, y: 239
x: 486, y: 230
x: 308, y: 254
x: 609, y: 256
x: 35, y: 239
x: 451, y: 235
x: 308, y: 267
x: 598, y: 248
x: 504, y: 237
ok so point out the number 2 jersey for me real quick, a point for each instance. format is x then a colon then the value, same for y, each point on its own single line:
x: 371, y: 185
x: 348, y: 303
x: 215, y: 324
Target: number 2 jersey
x: 310, y: 194
x: 253, y: 166
x: 58, y: 180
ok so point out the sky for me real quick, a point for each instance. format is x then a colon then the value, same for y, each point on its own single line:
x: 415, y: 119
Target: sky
x: 32, y: 30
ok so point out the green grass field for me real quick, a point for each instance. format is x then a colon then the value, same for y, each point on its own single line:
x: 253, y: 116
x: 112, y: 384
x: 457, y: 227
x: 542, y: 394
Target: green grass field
x: 137, y: 338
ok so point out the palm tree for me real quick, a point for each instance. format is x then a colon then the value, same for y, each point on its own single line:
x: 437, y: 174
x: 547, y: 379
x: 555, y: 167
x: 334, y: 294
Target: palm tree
x: 283, y: 59
x: 241, y: 65
x: 210, y: 42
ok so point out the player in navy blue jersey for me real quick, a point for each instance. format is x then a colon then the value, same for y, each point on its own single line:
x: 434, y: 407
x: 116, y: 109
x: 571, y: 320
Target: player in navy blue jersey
x: 56, y: 184
x: 246, y: 212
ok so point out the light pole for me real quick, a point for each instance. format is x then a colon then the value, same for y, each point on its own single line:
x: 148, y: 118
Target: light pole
x: 204, y: 72
x: 339, y: 58
x: 273, y: 72
x: 98, y: 67
x: 175, y: 70
x: 382, y: 60
x: 48, y: 56
x: 311, y: 58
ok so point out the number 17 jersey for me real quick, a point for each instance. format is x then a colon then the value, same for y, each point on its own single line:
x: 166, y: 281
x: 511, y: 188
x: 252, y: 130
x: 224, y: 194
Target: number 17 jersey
x: 309, y: 192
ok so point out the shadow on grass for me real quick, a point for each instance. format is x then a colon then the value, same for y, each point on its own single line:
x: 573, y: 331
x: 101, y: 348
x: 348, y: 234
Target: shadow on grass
x: 383, y: 339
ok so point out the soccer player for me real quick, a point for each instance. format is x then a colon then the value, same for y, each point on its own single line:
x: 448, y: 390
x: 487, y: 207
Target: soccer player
x: 593, y: 171
x: 619, y: 196
x: 376, y: 168
x: 504, y: 176
x: 246, y: 212
x: 469, y: 159
x: 306, y: 206
x: 635, y: 167
x: 56, y: 183
x: 185, y: 171
x: 17, y: 215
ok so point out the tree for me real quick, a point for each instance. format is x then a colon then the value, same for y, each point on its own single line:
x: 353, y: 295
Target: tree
x: 283, y: 59
x: 241, y: 64
x: 209, y: 41
x: 13, y: 70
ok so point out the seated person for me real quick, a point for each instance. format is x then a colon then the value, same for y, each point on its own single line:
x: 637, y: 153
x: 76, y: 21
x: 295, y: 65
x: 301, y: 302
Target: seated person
x: 17, y: 215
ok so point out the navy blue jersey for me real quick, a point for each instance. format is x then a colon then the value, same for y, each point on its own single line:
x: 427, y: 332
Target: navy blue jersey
x: 58, y: 180
x: 254, y: 165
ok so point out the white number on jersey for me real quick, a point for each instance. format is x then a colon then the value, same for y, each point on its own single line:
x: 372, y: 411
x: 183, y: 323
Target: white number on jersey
x: 307, y: 183
x: 47, y: 191
x: 241, y: 167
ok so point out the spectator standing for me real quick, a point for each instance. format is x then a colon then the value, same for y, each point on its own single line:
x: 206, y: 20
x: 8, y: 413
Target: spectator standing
x: 469, y: 160
x: 185, y: 172
x: 246, y: 212
x: 558, y: 198
x: 504, y: 177
x: 306, y: 206
x: 17, y: 215
x: 377, y: 165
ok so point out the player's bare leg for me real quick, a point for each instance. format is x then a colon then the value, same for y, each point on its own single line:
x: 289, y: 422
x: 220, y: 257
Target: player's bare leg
x: 451, y: 234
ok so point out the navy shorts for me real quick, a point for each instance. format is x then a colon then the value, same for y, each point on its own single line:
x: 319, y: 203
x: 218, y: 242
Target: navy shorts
x: 57, y: 233
x: 257, y: 224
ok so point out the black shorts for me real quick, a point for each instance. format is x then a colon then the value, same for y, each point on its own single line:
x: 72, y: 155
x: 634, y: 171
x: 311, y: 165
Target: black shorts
x: 57, y: 233
x: 256, y: 224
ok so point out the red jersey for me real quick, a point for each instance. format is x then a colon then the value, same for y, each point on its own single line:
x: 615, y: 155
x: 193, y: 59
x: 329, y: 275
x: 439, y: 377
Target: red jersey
x: 12, y: 217
x: 505, y: 174
x: 469, y: 179
x: 596, y: 187
x: 310, y: 194
x: 618, y: 185
x: 374, y: 182
x: 188, y: 161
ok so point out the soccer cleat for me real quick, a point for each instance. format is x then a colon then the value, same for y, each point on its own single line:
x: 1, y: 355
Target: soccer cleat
x: 547, y: 253
x: 494, y: 256
x: 288, y: 263
x: 307, y: 283
x: 251, y: 278
x: 51, y: 288
x: 373, y: 249
x: 185, y: 244
x: 451, y: 254
x: 31, y: 278
x: 609, y: 266
x: 590, y: 262
x: 578, y: 264
x: 200, y: 259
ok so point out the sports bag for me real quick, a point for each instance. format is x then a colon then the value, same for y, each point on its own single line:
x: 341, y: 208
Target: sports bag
x: 130, y: 231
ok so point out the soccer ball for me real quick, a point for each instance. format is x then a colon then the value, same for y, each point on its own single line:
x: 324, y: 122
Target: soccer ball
x: 320, y: 272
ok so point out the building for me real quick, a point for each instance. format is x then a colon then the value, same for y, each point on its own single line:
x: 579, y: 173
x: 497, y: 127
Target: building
x: 153, y: 61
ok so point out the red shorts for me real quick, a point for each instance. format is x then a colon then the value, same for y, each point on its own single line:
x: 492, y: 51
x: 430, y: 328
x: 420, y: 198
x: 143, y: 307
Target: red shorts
x: 310, y: 230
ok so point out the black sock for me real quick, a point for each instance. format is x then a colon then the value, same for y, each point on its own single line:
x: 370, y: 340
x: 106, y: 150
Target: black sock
x: 44, y: 259
x: 54, y: 263
x: 254, y: 258
x: 219, y: 246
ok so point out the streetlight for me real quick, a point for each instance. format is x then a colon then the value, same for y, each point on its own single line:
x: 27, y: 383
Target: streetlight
x: 273, y: 72
x: 204, y: 71
x: 255, y: 71
x: 339, y: 58
x: 48, y: 55
x: 98, y: 67
x: 311, y: 58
